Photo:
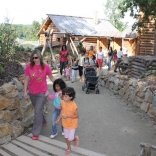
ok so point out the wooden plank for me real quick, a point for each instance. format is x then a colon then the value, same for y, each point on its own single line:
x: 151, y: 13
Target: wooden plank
x: 43, y: 146
x: 16, y: 150
x: 29, y: 148
x: 63, y: 145
x: 4, y: 153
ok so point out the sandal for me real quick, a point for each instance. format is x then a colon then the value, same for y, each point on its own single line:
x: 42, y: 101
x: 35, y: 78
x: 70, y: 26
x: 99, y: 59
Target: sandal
x: 67, y: 152
x: 76, y: 142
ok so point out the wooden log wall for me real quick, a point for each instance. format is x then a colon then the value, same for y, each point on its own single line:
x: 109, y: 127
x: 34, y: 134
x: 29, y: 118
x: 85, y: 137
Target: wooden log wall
x: 116, y: 43
x: 146, y: 38
x: 141, y: 64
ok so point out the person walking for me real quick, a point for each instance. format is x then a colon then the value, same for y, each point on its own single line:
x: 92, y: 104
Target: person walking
x: 58, y: 86
x: 109, y: 58
x: 91, y: 52
x: 36, y: 73
x: 69, y: 115
x: 100, y: 57
x: 80, y: 58
x: 119, y: 56
x: 75, y: 67
x: 63, y: 58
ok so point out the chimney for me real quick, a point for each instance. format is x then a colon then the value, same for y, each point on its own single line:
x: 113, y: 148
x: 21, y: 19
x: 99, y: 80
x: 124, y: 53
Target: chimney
x: 95, y: 17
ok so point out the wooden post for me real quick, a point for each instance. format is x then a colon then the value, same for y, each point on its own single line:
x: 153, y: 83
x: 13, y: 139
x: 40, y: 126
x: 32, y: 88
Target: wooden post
x: 155, y: 40
x: 98, y: 44
x: 74, y: 46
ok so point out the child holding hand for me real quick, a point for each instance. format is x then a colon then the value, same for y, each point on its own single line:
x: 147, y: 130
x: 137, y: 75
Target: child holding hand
x: 69, y: 115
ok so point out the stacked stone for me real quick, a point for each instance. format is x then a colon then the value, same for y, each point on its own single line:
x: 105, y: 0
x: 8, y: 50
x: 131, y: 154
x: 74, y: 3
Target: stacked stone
x: 133, y: 90
x: 15, y: 113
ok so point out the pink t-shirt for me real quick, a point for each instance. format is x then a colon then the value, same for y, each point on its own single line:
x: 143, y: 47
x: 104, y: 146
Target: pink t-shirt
x: 37, y: 83
x: 67, y: 71
x: 64, y: 55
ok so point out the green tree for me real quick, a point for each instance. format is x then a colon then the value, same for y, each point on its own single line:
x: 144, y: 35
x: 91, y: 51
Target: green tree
x: 34, y: 29
x: 114, y: 14
x: 148, y: 7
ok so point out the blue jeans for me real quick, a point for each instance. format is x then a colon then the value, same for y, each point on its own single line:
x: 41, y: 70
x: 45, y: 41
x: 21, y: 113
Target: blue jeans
x: 109, y: 63
x: 55, y: 115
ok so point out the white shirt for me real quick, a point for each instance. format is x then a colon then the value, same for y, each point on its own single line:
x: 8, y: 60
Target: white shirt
x: 100, y: 55
x: 119, y: 54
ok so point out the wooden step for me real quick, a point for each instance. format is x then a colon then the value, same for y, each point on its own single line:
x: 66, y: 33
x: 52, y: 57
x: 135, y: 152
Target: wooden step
x: 16, y: 150
x: 25, y: 146
x: 42, y: 146
x: 4, y: 153
x: 29, y: 148
x: 77, y: 150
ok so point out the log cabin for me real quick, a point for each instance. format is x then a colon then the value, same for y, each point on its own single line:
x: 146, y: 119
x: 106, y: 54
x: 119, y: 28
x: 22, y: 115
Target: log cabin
x: 91, y: 31
x: 146, y: 36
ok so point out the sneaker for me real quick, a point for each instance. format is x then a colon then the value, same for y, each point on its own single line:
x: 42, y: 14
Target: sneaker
x: 35, y: 137
x: 115, y: 71
x: 62, y: 133
x: 53, y: 135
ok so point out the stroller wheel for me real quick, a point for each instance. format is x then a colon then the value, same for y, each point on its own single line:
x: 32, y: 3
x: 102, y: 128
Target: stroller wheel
x: 87, y: 92
x: 97, y: 91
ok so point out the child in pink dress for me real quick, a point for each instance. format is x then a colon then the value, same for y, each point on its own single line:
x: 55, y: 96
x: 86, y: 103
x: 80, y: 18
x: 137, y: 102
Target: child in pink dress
x: 67, y: 71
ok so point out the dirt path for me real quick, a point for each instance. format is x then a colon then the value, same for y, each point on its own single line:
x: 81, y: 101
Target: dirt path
x: 108, y: 124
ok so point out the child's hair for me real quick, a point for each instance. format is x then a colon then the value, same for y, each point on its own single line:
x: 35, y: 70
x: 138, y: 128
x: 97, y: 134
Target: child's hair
x: 69, y: 91
x: 68, y: 65
x: 59, y: 82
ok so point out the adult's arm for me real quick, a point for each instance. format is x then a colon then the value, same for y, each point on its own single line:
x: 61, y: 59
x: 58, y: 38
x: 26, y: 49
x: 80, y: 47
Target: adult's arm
x: 26, y: 81
x: 51, y: 77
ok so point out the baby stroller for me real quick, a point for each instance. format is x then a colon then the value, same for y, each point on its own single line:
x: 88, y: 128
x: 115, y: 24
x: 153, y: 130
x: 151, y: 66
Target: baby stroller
x: 91, y: 81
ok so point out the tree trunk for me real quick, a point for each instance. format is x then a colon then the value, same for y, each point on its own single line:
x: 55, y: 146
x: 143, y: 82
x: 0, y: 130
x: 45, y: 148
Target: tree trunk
x: 155, y: 40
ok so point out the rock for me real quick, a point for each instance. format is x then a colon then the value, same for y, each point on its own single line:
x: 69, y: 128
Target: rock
x: 131, y: 88
x: 154, y: 100
x: 135, y: 82
x: 15, y: 103
x: 142, y: 85
x: 148, y: 96
x: 21, y: 79
x: 107, y: 84
x: 16, y: 114
x: 12, y: 94
x: 122, y: 92
x: 5, y: 129
x: 116, y: 81
x: 121, y: 83
x: 131, y: 96
x: 28, y: 119
x: 111, y: 85
x: 17, y: 128
x: 111, y: 79
x: 18, y: 84
x: 141, y: 94
x: 115, y: 87
x: 136, y: 103
x: 4, y: 102
x: 25, y: 106
x: 20, y: 95
x: 145, y: 106
x: 126, y: 86
x: 7, y: 87
x: 5, y: 139
x: 130, y: 82
x: 5, y: 115
x: 126, y: 96
x: 138, y: 99
x: 152, y: 111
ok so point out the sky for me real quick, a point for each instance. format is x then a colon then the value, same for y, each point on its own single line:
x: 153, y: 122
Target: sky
x: 26, y: 11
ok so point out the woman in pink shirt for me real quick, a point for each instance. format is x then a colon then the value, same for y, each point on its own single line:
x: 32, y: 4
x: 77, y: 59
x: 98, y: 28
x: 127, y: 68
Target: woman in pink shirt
x: 63, y: 58
x: 36, y: 73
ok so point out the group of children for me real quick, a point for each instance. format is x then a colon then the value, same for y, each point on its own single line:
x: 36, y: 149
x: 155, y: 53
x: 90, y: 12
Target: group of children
x: 65, y: 109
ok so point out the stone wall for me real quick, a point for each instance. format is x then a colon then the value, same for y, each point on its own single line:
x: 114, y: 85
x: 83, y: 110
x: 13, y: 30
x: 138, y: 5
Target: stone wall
x: 131, y: 89
x: 15, y: 113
